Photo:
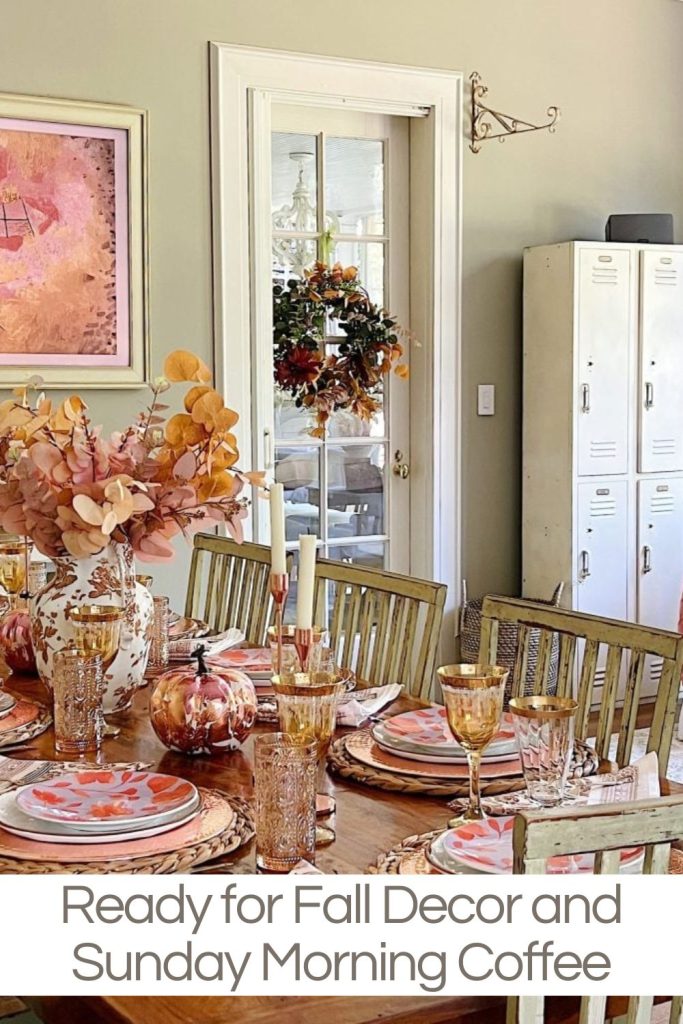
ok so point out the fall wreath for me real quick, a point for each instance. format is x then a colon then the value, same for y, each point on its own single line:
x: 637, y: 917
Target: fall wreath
x: 327, y: 373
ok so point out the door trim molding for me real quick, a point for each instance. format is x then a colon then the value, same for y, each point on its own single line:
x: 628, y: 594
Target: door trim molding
x: 238, y: 74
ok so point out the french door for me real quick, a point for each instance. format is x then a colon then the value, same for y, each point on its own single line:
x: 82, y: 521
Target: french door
x: 339, y: 192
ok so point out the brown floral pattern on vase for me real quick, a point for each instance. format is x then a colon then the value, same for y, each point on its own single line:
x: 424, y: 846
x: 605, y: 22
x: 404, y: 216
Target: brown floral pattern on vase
x: 104, y: 578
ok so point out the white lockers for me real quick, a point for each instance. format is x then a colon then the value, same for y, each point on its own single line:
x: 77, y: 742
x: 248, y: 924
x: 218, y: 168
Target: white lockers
x: 603, y: 429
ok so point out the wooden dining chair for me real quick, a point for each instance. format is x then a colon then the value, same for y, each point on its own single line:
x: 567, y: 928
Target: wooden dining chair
x: 618, y: 639
x: 229, y: 585
x: 604, y: 831
x: 384, y: 626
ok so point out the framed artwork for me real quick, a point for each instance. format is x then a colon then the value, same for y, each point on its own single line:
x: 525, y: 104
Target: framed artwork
x: 73, y: 243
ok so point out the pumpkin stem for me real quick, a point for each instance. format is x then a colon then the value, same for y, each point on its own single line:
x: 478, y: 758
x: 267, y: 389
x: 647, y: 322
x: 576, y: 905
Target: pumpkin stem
x: 199, y: 653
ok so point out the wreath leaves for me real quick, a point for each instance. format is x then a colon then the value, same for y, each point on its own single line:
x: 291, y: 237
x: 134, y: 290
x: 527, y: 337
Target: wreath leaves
x: 368, y: 346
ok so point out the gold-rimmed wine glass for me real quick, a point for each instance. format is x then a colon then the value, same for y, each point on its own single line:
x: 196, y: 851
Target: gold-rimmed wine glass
x: 15, y: 556
x: 307, y: 708
x: 97, y: 630
x: 473, y: 696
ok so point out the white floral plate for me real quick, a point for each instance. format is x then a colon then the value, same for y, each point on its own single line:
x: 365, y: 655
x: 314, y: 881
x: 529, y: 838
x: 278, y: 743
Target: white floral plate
x: 14, y: 821
x: 416, y: 755
x: 486, y: 847
x: 426, y: 731
x: 92, y: 799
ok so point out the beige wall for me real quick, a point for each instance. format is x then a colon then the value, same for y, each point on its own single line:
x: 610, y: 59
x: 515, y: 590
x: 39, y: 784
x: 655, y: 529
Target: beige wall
x: 613, y: 66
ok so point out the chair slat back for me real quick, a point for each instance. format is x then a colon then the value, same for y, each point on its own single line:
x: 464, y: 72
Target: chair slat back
x: 603, y: 831
x: 229, y: 585
x: 625, y: 644
x: 384, y: 626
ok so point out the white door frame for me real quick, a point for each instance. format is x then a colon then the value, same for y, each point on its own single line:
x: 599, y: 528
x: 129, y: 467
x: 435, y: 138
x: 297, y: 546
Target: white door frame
x: 243, y: 78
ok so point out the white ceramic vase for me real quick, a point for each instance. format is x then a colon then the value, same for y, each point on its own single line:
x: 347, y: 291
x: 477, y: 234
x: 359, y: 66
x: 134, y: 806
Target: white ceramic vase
x: 109, y: 579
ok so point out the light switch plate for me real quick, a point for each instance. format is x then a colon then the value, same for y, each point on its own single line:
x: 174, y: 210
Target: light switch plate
x: 486, y: 399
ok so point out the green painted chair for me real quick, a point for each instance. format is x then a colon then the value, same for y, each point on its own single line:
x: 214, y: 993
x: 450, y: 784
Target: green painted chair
x: 585, y: 635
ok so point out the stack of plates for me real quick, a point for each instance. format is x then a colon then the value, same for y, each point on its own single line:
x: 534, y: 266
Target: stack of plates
x: 7, y: 703
x: 424, y: 736
x: 256, y: 662
x: 485, y: 847
x: 92, y: 807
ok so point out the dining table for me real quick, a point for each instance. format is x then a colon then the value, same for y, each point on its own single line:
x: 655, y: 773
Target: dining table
x: 368, y: 822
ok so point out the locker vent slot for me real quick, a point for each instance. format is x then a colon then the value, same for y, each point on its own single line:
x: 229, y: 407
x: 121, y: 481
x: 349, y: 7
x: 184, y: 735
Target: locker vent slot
x: 666, y: 276
x: 603, y: 449
x: 603, y: 507
x: 604, y: 275
x: 664, y: 446
x: 662, y: 504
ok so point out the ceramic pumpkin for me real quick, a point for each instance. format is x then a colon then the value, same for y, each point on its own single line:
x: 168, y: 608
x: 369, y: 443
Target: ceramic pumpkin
x: 16, y: 643
x: 202, y: 710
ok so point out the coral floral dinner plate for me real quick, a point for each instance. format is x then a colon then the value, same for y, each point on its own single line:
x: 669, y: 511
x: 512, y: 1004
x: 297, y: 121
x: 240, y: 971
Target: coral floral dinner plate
x: 427, y: 730
x: 102, y: 796
x: 486, y: 846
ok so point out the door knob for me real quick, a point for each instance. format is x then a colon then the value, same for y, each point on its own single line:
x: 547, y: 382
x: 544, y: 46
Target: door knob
x: 399, y: 467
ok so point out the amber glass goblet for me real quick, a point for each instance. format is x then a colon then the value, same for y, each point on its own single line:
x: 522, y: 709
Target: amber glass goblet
x: 15, y: 556
x: 473, y: 696
x: 97, y: 630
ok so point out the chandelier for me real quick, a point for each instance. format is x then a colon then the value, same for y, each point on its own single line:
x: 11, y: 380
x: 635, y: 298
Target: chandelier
x: 296, y: 218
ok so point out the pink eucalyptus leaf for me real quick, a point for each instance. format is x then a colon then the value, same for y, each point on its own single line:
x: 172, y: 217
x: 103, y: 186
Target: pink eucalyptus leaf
x: 186, y: 467
x: 89, y: 511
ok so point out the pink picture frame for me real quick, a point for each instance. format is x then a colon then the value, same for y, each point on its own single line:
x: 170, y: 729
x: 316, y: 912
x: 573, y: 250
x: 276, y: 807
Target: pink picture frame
x: 73, y: 243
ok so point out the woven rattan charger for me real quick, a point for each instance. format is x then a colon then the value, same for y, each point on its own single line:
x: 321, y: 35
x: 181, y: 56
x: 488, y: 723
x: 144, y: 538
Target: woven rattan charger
x: 585, y: 762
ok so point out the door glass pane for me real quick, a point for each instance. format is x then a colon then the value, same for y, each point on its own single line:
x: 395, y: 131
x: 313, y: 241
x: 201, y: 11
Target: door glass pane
x: 344, y: 423
x: 355, y: 490
x: 291, y: 422
x: 294, y: 182
x: 372, y: 554
x: 298, y: 468
x: 354, y: 186
x: 368, y: 257
x: 291, y: 256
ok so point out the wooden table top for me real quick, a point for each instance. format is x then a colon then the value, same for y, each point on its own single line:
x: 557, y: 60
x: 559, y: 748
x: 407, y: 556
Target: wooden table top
x: 368, y: 822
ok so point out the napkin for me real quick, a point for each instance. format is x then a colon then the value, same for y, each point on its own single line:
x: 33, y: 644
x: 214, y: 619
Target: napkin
x: 181, y: 650
x: 304, y: 867
x: 357, y: 707
x: 14, y: 772
x: 638, y: 781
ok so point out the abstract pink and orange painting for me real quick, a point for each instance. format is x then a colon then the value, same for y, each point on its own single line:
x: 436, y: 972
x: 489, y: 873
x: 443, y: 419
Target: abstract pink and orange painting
x: 63, y: 245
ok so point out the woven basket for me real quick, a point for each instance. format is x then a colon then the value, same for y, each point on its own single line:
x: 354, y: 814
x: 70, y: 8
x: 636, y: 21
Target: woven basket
x: 508, y: 640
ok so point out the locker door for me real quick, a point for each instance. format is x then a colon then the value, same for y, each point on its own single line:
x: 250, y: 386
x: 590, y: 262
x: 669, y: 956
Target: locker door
x: 660, y: 565
x: 661, y: 361
x: 602, y: 548
x: 604, y: 331
x: 660, y: 551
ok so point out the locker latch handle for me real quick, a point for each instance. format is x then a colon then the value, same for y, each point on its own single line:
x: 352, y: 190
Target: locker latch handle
x: 585, y: 398
x: 584, y: 565
x: 647, y: 559
x: 649, y: 395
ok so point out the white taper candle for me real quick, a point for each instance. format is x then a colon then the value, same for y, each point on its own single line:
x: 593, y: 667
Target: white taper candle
x: 278, y: 556
x: 305, y: 581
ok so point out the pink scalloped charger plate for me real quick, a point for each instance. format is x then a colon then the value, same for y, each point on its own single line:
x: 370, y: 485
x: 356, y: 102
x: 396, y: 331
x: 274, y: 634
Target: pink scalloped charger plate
x: 105, y: 796
x: 486, y: 846
x: 23, y: 713
x: 428, y: 728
